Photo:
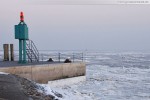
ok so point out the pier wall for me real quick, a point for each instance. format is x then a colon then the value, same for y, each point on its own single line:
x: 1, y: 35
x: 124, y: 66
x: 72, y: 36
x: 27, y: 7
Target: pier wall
x: 47, y: 72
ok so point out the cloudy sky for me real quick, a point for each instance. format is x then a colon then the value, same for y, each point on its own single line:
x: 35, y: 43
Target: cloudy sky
x: 78, y: 25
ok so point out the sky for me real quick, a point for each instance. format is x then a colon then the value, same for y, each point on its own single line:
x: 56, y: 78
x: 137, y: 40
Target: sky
x: 78, y: 26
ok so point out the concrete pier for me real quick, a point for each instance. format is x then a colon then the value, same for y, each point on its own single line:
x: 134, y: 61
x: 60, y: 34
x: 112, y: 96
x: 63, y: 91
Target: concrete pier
x: 42, y: 73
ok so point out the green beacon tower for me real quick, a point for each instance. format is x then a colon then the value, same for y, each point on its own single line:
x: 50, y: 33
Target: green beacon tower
x: 21, y: 33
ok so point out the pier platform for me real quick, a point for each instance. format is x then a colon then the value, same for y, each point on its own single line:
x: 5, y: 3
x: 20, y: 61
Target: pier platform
x: 42, y: 72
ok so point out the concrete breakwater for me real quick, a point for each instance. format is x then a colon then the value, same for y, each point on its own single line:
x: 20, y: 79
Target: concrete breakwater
x: 47, y: 72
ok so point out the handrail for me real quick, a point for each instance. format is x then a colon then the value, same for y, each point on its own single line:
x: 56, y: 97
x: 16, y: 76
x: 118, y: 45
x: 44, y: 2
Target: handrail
x: 35, y: 49
x: 32, y: 50
x: 28, y: 53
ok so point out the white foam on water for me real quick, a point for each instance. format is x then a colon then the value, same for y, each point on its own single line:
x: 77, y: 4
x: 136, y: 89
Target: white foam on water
x: 4, y: 73
x: 104, y: 82
x: 63, y: 87
x: 67, y: 81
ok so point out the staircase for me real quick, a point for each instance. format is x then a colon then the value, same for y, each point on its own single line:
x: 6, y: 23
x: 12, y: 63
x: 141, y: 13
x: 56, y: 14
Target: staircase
x: 32, y: 52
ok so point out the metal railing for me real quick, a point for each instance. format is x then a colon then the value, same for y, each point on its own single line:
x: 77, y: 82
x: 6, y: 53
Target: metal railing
x: 32, y: 51
x: 61, y: 57
x: 56, y: 56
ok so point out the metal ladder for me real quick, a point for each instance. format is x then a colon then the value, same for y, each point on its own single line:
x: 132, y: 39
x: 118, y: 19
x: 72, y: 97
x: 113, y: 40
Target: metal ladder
x: 32, y: 51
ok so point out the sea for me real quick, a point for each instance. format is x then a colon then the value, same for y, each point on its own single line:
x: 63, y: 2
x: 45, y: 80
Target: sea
x: 111, y: 76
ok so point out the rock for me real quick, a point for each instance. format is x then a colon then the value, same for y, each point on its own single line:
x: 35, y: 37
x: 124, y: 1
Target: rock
x: 30, y: 88
x: 50, y: 60
x: 67, y: 61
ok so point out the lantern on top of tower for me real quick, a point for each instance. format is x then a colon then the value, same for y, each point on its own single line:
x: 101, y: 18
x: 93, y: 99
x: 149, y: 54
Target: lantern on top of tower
x: 21, y: 17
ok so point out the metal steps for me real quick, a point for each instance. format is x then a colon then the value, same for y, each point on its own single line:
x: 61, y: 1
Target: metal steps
x: 32, y: 52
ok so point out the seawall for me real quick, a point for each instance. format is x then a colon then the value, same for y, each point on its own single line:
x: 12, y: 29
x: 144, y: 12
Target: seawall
x: 47, y: 72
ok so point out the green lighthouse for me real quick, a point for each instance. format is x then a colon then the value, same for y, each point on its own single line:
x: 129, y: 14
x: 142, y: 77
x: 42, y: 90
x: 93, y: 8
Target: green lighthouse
x: 21, y: 33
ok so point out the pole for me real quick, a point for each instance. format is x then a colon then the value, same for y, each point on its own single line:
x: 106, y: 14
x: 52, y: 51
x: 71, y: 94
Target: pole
x: 6, y: 52
x: 20, y: 51
x: 12, y: 52
x: 73, y: 57
x: 59, y: 57
x: 82, y: 56
x: 24, y: 51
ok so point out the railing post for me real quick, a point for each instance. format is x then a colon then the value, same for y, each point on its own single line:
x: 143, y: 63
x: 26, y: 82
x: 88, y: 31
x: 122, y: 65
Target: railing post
x: 59, y: 57
x: 42, y: 57
x: 73, y: 57
x: 82, y: 56
x: 31, y: 49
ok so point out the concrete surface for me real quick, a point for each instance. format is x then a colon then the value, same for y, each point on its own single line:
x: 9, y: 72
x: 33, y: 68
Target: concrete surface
x: 11, y: 89
x: 15, y: 63
x: 42, y: 73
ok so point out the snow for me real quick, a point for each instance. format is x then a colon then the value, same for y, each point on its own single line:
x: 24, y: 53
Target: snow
x: 4, y: 73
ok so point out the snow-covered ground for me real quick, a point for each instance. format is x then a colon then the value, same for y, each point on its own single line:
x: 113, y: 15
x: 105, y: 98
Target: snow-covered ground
x: 110, y: 76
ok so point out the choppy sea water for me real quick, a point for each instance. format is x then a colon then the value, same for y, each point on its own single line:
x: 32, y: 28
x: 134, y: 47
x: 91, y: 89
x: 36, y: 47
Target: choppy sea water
x: 113, y: 76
